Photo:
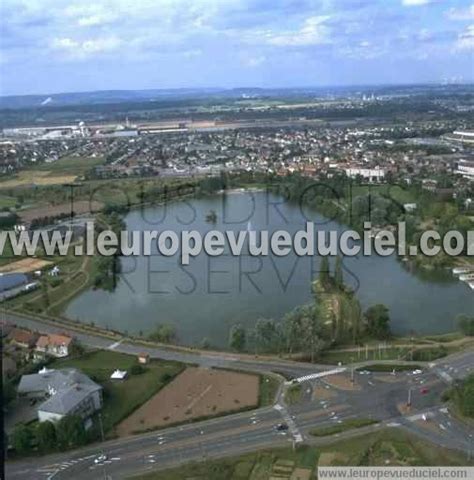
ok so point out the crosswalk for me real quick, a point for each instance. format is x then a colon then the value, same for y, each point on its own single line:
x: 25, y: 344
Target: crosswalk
x: 295, y: 432
x: 313, y: 376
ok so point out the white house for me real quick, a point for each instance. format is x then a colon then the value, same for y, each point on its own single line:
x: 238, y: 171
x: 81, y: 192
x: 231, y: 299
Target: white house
x: 54, y: 345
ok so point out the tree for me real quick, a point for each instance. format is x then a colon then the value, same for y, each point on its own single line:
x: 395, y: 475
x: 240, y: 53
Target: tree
x: 267, y: 335
x: 70, y: 431
x: 324, y: 272
x: 303, y: 331
x: 237, y: 338
x: 338, y: 275
x: 466, y: 325
x: 378, y: 321
x: 21, y: 439
x: 163, y: 333
x: 46, y: 436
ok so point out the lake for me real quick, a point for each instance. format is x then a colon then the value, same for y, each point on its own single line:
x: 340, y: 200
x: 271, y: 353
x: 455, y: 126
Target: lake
x: 205, y: 298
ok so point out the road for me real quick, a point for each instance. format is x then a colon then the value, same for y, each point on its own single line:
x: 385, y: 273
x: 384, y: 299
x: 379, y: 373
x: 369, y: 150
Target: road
x: 326, y: 399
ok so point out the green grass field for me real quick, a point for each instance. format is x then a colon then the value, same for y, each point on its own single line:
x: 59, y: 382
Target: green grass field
x: 293, y: 394
x: 342, y: 427
x: 268, y: 389
x: 122, y: 398
x: 7, y: 201
x: 70, y: 165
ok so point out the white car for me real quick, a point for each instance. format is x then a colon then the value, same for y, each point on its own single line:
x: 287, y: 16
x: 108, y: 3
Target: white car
x: 417, y: 372
x: 101, y: 458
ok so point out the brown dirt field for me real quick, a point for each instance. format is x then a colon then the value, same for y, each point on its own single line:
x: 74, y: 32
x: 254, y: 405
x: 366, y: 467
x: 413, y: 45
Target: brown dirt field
x: 326, y: 459
x: 342, y: 382
x: 25, y: 265
x: 301, y: 474
x: 195, y: 393
x: 80, y: 207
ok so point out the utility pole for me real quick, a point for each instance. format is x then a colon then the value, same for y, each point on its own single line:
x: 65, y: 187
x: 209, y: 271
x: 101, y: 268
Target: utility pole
x: 72, y: 186
x: 352, y: 369
x: 409, y: 397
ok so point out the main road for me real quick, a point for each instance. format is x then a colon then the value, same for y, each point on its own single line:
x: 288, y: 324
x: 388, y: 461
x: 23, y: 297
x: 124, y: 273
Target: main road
x: 329, y: 397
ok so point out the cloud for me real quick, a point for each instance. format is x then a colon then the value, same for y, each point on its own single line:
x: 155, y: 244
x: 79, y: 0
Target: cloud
x: 85, y: 48
x: 414, y: 3
x: 229, y: 41
x: 460, y: 14
x: 96, y: 19
x: 312, y: 31
x: 466, y: 39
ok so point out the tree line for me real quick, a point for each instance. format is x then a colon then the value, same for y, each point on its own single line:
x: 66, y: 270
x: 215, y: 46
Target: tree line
x: 309, y: 329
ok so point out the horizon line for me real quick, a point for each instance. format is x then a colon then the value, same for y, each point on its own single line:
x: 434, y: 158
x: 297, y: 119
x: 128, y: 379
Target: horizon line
x: 217, y: 88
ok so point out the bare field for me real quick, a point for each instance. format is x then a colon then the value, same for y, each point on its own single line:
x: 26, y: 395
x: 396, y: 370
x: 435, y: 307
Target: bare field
x: 26, y: 265
x: 36, y: 177
x: 80, y: 207
x: 195, y: 393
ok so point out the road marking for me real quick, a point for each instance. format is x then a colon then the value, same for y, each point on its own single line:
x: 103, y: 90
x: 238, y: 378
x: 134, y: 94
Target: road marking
x: 313, y: 376
x: 115, y: 345
x: 298, y: 438
x: 445, y: 376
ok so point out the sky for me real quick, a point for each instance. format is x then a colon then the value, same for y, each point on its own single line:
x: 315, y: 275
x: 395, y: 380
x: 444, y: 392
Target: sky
x: 51, y: 46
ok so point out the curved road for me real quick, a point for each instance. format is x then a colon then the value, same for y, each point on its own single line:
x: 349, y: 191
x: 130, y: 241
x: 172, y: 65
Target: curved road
x: 380, y: 397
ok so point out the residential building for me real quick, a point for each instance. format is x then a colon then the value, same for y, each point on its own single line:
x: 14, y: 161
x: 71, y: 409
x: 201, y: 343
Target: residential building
x: 143, y: 358
x: 54, y: 345
x: 63, y: 392
x: 23, y: 338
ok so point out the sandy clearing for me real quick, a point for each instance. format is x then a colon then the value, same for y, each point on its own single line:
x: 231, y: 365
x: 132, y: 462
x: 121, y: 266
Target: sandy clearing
x: 26, y: 265
x: 195, y: 393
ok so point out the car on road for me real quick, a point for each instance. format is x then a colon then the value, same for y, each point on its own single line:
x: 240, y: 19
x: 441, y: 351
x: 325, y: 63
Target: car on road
x: 101, y: 458
x: 424, y: 391
x: 281, y: 427
x: 417, y: 372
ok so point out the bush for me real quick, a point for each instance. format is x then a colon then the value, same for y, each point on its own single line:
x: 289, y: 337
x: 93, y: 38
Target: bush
x: 46, y: 436
x: 137, y: 369
x: 166, y: 377
x: 70, y: 431
x: 429, y: 354
x: 466, y: 325
x: 21, y: 439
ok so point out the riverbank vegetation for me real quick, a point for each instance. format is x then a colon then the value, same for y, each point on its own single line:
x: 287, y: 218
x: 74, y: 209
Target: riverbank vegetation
x: 333, y: 318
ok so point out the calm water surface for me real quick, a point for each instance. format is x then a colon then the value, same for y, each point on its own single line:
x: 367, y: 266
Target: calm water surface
x: 205, y: 298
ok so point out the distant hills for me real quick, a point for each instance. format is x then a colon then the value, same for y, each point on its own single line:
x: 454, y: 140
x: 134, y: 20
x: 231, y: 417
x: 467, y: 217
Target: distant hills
x: 126, y: 96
